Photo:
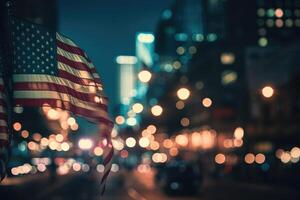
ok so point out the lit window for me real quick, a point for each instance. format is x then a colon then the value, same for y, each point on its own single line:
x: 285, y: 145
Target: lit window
x: 289, y: 23
x: 180, y: 50
x: 270, y: 23
x: 279, y: 23
x: 227, y: 58
x: 212, y: 37
x: 279, y: 13
x: 261, y: 12
x: 198, y: 37
x: 263, y: 42
x: 270, y: 12
x: 229, y: 77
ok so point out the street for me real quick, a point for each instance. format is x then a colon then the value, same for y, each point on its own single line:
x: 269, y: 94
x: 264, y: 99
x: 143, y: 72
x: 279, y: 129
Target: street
x: 137, y: 187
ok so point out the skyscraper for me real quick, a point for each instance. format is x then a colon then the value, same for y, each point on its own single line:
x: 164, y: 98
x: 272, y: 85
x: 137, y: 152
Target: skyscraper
x: 126, y: 82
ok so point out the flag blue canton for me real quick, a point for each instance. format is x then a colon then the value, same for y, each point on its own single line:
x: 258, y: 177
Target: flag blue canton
x: 34, y: 49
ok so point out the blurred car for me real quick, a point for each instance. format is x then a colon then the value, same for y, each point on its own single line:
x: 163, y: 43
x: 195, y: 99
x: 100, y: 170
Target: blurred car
x: 179, y: 177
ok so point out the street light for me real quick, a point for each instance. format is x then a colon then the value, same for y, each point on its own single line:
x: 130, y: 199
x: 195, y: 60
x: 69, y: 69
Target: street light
x: 144, y: 76
x: 137, y: 108
x: 156, y: 110
x: 267, y: 91
x: 85, y: 144
x: 183, y: 93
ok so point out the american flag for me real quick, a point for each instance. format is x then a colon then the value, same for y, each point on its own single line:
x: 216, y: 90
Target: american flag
x: 4, y: 136
x: 51, y: 70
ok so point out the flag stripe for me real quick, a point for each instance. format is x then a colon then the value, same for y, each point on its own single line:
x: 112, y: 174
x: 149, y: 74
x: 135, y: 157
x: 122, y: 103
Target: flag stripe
x: 36, y: 94
x: 20, y: 78
x: 3, y: 122
x: 74, y: 64
x: 59, y: 88
x: 79, y: 73
x: 69, y: 48
x: 65, y: 105
x: 74, y: 57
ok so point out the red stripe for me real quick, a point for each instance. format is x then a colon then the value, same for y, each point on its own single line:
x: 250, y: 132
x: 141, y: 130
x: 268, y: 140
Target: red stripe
x: 75, y: 79
x: 41, y: 86
x: 3, y: 116
x: 69, y: 48
x: 3, y: 129
x: 93, y: 115
x: 75, y: 65
x: 108, y: 157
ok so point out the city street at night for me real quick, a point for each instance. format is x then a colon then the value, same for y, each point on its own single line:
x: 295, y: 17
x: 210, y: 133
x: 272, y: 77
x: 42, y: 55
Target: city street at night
x: 136, y: 187
x: 149, y: 100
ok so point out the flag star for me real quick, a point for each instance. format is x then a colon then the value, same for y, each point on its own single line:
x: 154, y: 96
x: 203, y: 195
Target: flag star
x: 27, y: 29
x: 22, y: 24
x: 43, y: 70
x: 38, y: 31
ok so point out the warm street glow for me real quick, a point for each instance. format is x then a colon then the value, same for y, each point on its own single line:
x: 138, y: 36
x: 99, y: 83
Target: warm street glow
x: 85, y: 144
x: 185, y: 121
x: 267, y: 92
x: 144, y: 142
x: 145, y: 76
x: 137, y: 108
x: 207, y: 102
x: 249, y: 158
x: 98, y: 151
x: 156, y: 110
x: 182, y: 140
x: 130, y: 142
x: 17, y: 126
x: 220, y: 158
x: 239, y: 133
x: 120, y: 120
x: 260, y: 158
x: 183, y: 93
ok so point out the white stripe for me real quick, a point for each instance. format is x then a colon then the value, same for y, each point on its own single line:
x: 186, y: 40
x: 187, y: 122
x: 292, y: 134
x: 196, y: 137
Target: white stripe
x: 65, y: 40
x: 75, y: 72
x: 4, y: 136
x: 60, y: 96
x: 74, y: 57
x: 32, y: 78
x: 3, y: 123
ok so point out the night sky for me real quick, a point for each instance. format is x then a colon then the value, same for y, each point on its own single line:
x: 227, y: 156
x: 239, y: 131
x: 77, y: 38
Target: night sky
x: 107, y: 28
